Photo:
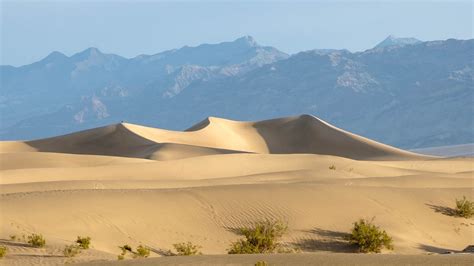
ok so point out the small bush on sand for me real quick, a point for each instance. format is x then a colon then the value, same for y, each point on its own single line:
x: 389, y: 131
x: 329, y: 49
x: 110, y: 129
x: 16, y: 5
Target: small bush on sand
x: 261, y: 263
x: 71, y: 250
x: 142, y: 252
x: 464, y: 207
x: 3, y: 251
x: 37, y: 240
x: 332, y: 167
x: 187, y: 249
x: 125, y: 248
x: 13, y: 237
x: 261, y: 238
x: 369, y: 237
x: 83, y: 242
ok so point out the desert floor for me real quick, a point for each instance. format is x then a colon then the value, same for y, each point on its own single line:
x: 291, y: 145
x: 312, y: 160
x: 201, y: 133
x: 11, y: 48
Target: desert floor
x: 129, y: 184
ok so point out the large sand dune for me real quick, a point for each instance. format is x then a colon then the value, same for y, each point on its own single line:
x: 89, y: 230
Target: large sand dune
x: 131, y: 184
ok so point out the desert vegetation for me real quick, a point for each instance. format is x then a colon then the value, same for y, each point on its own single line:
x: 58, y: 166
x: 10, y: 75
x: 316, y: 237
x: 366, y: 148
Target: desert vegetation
x: 464, y: 207
x: 3, y: 251
x: 83, y: 242
x: 262, y: 237
x: 37, y: 240
x: 187, y: 249
x: 332, y: 167
x: 71, y: 250
x: 141, y: 252
x: 369, y: 237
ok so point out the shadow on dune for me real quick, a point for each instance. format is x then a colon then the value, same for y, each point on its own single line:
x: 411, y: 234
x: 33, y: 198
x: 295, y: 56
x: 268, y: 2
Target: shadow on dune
x: 442, y: 209
x: 13, y: 243
x: 326, y: 240
x: 433, y: 249
x: 308, y: 134
x: 161, y: 252
x: 40, y: 255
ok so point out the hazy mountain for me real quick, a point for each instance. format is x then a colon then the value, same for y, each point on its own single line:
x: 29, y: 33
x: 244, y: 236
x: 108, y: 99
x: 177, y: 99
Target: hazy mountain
x: 392, y: 40
x: 406, y: 95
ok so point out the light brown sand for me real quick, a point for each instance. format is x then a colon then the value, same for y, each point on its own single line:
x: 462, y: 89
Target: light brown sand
x: 137, y: 185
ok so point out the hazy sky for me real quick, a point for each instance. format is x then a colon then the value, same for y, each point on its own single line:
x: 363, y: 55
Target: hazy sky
x: 30, y: 30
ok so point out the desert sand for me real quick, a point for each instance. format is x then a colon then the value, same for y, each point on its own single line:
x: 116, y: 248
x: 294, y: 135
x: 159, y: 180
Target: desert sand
x: 130, y: 184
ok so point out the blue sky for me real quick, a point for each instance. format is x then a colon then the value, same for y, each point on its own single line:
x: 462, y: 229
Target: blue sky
x: 30, y: 30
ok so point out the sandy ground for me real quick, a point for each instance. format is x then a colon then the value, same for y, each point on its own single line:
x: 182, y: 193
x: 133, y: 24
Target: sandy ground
x: 128, y: 184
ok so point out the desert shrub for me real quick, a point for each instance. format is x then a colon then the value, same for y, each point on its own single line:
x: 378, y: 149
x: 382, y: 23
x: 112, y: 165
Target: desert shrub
x: 332, y: 167
x: 261, y: 238
x: 464, y: 207
x: 142, y: 252
x: 83, y: 242
x: 187, y: 249
x: 36, y: 240
x: 126, y: 248
x: 261, y: 263
x: 71, y: 250
x: 3, y: 251
x: 13, y: 237
x: 369, y: 237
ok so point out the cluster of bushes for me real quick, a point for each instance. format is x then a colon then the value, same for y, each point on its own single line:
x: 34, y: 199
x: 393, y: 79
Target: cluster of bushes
x: 76, y: 248
x: 261, y: 237
x: 141, y: 252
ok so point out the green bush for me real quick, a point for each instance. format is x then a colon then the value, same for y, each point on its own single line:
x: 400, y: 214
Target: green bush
x: 187, y: 249
x: 36, y: 240
x: 120, y: 257
x: 71, y: 250
x: 83, y: 242
x: 142, y: 252
x: 261, y: 238
x: 261, y: 263
x: 3, y: 251
x: 464, y: 207
x: 369, y: 237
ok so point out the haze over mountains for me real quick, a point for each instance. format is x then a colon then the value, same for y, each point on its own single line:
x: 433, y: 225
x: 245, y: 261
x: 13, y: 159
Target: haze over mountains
x: 424, y: 90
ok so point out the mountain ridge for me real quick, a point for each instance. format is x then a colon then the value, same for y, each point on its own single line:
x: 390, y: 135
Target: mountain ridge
x: 252, y: 82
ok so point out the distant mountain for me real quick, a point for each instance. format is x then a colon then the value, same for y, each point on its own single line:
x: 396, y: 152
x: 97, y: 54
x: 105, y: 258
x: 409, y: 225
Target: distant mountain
x: 424, y: 90
x: 392, y: 40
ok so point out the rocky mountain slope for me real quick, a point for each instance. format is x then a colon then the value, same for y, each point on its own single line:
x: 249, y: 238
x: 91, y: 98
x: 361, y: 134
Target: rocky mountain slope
x: 422, y: 89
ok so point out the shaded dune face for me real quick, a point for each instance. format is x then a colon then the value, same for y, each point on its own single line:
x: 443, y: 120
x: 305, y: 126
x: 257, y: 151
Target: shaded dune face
x: 300, y: 134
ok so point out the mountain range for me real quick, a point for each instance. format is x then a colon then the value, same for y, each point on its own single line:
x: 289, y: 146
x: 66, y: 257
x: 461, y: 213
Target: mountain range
x: 422, y: 89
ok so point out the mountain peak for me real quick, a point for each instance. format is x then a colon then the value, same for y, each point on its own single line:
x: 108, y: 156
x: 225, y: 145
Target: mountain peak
x: 87, y: 53
x: 247, y: 40
x: 54, y: 56
x: 393, y: 40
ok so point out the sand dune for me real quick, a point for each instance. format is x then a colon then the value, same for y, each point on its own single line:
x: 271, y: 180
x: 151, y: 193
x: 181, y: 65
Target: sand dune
x: 131, y: 184
x: 302, y: 134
